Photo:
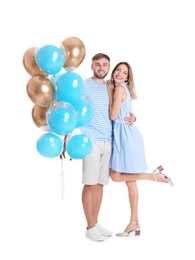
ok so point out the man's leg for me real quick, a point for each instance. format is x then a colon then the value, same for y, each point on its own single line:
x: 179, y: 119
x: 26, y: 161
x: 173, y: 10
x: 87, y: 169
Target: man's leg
x: 92, y: 199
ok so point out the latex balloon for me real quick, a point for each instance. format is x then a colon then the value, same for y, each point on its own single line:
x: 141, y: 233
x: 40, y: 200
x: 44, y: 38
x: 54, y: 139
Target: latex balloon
x: 62, y: 118
x: 39, y: 115
x: 69, y: 87
x: 80, y: 142
x: 49, y: 145
x: 84, y: 110
x: 53, y: 79
x: 78, y: 146
x: 75, y: 51
x: 50, y: 59
x: 30, y: 63
x: 41, y: 91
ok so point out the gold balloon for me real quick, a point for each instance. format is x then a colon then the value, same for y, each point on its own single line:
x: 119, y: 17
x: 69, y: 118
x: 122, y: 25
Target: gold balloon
x: 39, y: 115
x: 30, y: 63
x: 74, y: 52
x: 40, y: 90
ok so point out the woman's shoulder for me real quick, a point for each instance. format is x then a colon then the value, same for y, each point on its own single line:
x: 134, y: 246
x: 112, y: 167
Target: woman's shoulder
x: 121, y: 88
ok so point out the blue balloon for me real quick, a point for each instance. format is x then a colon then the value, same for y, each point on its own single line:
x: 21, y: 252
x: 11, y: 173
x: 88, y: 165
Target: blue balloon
x: 85, y: 112
x: 50, y: 59
x: 62, y: 118
x: 79, y: 146
x: 69, y: 87
x: 53, y: 79
x: 49, y: 145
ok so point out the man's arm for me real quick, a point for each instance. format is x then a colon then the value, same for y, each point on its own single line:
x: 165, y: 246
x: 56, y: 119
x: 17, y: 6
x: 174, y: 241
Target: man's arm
x: 130, y: 119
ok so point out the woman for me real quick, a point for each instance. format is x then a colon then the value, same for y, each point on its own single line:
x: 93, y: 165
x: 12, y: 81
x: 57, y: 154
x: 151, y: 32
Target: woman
x: 128, y: 162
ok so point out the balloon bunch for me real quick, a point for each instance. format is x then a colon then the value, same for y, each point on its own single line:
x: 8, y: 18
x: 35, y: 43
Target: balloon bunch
x: 56, y: 88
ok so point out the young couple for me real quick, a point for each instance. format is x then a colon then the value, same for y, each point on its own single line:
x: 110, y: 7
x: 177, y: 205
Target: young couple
x: 119, y: 148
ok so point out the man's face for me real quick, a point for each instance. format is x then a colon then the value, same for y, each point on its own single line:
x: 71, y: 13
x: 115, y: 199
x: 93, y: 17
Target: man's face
x: 100, y: 68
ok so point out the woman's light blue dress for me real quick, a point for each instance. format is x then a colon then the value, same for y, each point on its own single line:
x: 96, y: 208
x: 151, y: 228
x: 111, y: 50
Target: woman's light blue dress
x: 128, y: 154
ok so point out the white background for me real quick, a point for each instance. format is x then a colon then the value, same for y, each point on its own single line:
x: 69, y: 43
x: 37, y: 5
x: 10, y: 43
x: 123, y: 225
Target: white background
x: 157, y: 39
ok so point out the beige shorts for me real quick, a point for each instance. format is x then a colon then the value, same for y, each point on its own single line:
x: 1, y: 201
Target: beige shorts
x: 95, y: 167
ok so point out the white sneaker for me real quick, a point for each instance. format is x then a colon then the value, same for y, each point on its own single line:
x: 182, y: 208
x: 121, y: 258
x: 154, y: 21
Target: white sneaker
x: 104, y: 232
x: 94, y: 234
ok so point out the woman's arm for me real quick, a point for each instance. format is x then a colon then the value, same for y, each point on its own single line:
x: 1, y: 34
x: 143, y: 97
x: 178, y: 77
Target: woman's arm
x: 119, y: 97
x: 116, y: 96
x: 110, y: 87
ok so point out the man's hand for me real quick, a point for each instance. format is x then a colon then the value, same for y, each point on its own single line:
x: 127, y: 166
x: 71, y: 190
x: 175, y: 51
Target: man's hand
x: 130, y: 119
x: 62, y: 155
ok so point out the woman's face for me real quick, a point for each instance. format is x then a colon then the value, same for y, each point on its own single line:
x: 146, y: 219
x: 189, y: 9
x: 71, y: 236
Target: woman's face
x: 121, y: 74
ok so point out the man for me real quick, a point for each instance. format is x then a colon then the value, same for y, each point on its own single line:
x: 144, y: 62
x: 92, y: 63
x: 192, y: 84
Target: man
x: 95, y: 167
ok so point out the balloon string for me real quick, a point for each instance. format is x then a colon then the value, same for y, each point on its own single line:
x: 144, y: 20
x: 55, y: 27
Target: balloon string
x: 62, y: 181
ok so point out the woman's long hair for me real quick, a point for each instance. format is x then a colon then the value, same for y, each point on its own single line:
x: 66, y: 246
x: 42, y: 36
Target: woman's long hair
x: 129, y: 81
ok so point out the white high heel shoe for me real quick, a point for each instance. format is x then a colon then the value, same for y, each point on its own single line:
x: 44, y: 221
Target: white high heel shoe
x: 160, y: 169
x: 136, y: 231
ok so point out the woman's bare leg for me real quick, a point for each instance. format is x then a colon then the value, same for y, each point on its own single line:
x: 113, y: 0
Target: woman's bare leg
x: 133, y: 201
x: 129, y: 177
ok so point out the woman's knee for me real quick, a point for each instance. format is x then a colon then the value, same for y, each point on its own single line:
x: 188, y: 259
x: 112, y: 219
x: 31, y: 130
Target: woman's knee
x: 115, y: 176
